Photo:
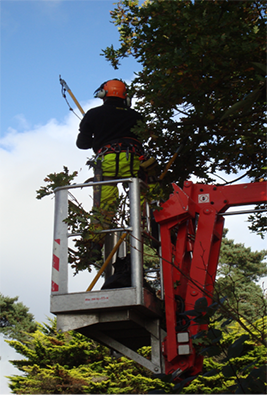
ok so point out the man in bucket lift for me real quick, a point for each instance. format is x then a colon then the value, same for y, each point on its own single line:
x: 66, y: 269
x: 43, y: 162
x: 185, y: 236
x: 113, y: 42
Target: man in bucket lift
x: 107, y: 129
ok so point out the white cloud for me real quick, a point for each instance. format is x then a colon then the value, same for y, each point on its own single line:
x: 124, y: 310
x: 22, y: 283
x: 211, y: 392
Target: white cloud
x: 26, y: 230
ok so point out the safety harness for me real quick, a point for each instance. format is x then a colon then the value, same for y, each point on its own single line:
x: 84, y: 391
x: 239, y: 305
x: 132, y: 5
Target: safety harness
x: 130, y: 148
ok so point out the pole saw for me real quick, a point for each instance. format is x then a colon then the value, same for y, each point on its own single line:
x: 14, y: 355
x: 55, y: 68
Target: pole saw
x: 65, y: 88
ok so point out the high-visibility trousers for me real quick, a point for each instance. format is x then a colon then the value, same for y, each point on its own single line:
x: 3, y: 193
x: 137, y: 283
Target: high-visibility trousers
x: 108, y: 194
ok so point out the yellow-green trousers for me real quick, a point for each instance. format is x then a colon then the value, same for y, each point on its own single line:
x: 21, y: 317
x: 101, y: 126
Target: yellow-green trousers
x: 109, y: 193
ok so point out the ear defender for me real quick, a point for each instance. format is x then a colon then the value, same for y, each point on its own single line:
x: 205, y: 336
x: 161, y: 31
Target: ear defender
x: 101, y: 94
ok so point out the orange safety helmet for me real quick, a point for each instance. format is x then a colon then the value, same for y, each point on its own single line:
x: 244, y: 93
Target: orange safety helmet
x: 111, y: 88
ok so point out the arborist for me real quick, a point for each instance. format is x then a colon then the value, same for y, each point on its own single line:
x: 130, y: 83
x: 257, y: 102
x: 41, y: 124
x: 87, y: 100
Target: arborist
x: 108, y: 130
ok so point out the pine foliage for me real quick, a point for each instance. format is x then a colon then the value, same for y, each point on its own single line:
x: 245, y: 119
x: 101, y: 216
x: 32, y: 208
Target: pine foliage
x: 15, y: 319
x: 70, y: 363
x: 235, y: 362
x: 239, y: 270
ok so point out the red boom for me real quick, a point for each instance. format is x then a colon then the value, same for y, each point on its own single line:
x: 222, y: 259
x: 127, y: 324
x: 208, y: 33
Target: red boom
x: 191, y: 227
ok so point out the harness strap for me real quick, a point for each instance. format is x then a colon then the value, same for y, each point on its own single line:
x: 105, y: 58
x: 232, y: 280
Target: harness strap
x: 117, y: 148
x: 120, y: 147
x: 98, y: 176
x: 117, y: 164
x: 131, y: 164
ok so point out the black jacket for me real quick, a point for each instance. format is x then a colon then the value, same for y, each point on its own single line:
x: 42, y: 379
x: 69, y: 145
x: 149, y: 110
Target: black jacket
x: 106, y: 124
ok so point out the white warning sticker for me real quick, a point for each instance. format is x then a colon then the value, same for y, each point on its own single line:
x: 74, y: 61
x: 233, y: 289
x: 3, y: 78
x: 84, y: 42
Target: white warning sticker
x: 204, y: 198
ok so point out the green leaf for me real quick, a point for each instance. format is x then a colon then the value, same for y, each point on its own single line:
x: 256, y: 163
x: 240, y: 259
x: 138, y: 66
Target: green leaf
x: 229, y: 371
x: 261, y: 68
x: 211, y: 351
x: 201, y: 305
x: 233, y: 109
x: 210, y: 373
x: 226, y: 322
x: 243, y: 104
x: 214, y: 334
x: 235, y: 349
x: 259, y: 373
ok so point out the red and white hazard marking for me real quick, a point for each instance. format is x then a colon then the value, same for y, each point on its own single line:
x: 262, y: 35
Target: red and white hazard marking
x: 55, y: 267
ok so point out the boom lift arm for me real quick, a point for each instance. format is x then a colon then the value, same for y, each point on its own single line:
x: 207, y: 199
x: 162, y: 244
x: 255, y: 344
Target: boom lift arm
x: 195, y: 216
x: 191, y: 225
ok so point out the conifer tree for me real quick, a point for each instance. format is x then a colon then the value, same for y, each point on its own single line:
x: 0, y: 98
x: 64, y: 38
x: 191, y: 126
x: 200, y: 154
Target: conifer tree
x: 15, y: 320
x: 239, y: 270
x: 70, y: 363
x: 235, y: 360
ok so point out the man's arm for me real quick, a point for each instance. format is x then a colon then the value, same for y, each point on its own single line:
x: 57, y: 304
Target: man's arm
x: 84, y: 138
x: 84, y: 141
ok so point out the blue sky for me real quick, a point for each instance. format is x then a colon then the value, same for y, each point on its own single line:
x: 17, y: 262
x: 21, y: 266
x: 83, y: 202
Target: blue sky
x: 41, y: 39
